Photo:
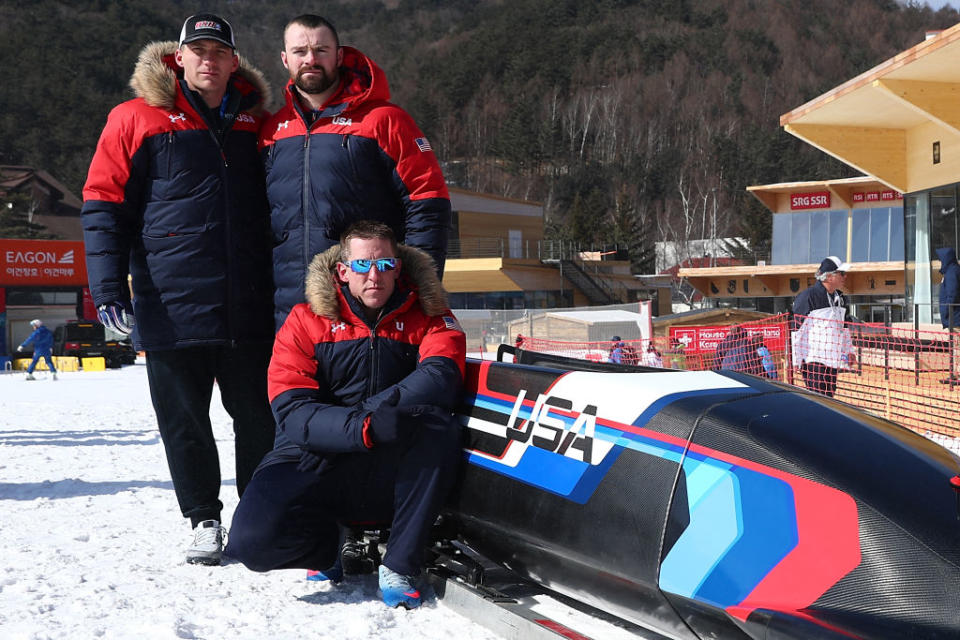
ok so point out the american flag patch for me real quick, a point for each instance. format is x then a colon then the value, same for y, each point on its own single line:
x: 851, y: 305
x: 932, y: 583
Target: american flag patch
x: 451, y: 323
x: 424, y: 144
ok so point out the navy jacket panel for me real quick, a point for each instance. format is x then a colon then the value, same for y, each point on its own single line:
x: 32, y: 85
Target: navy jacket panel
x: 816, y: 297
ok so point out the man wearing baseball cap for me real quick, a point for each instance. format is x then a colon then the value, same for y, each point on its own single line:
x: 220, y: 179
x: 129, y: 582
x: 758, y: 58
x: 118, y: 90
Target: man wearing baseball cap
x: 175, y: 197
x: 822, y: 345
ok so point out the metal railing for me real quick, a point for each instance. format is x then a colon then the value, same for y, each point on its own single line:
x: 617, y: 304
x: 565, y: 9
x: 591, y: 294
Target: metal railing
x: 531, y: 249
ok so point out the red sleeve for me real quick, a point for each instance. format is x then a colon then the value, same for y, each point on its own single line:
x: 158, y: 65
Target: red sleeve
x: 293, y: 365
x: 111, y: 164
x: 415, y: 160
x: 446, y: 339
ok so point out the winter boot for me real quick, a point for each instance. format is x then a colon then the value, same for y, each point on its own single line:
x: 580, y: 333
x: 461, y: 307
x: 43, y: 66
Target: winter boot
x: 334, y: 574
x: 207, y: 544
x: 30, y: 376
x: 54, y: 375
x: 398, y: 590
x: 355, y: 558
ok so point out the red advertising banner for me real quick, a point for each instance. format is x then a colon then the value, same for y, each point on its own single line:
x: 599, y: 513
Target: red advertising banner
x: 47, y: 263
x: 706, y: 339
x: 814, y: 200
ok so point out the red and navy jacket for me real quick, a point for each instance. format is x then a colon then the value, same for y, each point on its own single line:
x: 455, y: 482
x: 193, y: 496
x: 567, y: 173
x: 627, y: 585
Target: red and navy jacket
x: 362, y: 158
x: 331, y: 368
x: 182, y: 210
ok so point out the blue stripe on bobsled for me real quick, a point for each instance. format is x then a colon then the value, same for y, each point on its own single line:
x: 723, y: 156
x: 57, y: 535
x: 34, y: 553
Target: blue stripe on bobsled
x: 769, y: 532
x: 713, y: 496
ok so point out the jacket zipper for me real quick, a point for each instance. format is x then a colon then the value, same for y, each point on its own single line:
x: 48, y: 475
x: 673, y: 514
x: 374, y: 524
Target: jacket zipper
x: 170, y: 139
x: 228, y: 237
x: 305, y: 203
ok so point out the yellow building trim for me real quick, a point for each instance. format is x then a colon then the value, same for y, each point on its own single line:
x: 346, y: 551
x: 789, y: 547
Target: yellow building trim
x: 880, y: 152
x: 936, y: 101
x: 748, y: 281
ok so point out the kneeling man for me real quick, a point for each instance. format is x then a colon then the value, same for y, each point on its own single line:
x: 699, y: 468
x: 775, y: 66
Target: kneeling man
x: 363, y: 381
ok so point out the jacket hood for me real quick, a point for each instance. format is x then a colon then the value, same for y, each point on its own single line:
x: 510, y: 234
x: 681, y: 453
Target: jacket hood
x: 947, y: 255
x: 156, y: 73
x: 361, y: 81
x: 417, y: 271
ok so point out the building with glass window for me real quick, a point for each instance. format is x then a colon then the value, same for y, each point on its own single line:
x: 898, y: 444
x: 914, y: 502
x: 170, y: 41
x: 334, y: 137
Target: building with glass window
x: 860, y: 220
x: 900, y: 123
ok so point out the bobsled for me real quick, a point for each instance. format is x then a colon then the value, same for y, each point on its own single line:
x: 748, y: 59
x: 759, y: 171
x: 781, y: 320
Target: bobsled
x: 708, y: 504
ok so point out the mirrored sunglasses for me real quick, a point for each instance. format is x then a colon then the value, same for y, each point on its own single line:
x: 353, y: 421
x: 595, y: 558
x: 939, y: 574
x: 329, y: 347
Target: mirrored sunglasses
x: 382, y: 264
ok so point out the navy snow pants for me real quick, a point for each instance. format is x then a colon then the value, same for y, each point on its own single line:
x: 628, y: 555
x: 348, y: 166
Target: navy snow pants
x: 288, y: 519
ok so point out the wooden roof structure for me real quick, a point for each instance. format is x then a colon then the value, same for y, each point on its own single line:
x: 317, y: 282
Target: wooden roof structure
x: 899, y: 121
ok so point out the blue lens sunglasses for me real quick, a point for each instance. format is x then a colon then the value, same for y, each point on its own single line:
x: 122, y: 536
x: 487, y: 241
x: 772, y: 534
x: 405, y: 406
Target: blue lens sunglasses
x: 364, y: 266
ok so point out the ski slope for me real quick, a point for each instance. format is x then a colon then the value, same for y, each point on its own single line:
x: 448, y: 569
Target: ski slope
x: 93, y: 541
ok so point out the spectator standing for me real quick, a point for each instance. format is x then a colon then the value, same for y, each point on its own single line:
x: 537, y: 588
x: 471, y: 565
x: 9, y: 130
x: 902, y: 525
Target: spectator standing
x: 738, y: 352
x: 363, y: 381
x: 730, y: 341
x: 950, y: 299
x: 766, y: 359
x: 616, y: 354
x: 821, y: 343
x: 42, y: 340
x: 652, y: 357
x: 175, y: 197
x: 339, y: 152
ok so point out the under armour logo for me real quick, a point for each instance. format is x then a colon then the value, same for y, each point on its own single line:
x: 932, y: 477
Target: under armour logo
x: 182, y: 116
x: 283, y: 125
x: 337, y: 327
x: 399, y: 326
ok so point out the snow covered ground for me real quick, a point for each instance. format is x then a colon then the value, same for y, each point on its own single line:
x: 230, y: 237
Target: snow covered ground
x: 92, y: 542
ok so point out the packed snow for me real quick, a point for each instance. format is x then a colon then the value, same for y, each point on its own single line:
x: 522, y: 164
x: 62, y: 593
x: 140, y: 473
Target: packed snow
x: 93, y: 542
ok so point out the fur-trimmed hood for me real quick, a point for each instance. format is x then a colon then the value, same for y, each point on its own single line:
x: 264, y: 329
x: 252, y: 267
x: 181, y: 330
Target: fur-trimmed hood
x: 417, y: 271
x: 155, y: 78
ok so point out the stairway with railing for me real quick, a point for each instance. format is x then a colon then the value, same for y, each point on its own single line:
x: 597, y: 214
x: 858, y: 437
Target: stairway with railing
x: 594, y: 289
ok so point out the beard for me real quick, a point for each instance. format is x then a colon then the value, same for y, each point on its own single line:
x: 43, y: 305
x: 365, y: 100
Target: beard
x: 317, y: 83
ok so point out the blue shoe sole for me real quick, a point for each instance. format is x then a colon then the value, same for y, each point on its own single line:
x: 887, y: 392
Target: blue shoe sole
x: 393, y: 598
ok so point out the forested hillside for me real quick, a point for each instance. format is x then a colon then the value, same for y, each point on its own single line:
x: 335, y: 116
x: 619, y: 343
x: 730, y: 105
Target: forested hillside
x: 632, y: 120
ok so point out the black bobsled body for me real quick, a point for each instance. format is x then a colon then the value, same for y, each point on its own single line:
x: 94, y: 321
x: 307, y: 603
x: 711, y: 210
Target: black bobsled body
x: 709, y: 504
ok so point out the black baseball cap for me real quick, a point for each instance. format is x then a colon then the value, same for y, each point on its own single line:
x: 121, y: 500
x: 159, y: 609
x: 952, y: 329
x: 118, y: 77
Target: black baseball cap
x: 207, y: 26
x: 833, y: 263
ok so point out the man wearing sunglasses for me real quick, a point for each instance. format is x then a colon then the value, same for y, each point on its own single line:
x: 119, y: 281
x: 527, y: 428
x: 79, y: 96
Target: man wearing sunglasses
x: 363, y: 381
x: 821, y: 343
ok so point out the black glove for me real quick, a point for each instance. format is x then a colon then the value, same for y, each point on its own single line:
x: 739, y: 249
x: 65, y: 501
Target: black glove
x: 385, y: 421
x: 310, y: 462
x: 427, y: 415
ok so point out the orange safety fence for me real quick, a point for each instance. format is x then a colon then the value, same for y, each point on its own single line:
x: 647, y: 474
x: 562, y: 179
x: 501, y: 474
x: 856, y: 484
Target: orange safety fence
x: 910, y: 376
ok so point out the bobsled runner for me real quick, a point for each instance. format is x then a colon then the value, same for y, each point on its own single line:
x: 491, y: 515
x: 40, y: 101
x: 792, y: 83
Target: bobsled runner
x: 703, y: 504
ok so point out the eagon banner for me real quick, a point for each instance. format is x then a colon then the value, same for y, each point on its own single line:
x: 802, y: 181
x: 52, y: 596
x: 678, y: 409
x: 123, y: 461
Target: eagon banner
x: 48, y: 263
